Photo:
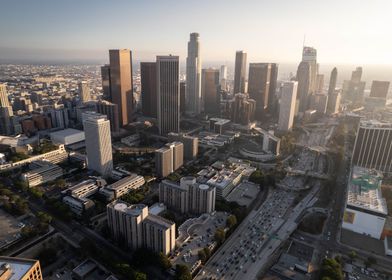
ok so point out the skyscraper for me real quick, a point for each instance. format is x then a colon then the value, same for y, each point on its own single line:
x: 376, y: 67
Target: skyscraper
x: 309, y: 55
x: 148, y: 77
x: 243, y: 111
x: 111, y: 111
x: 210, y: 91
x: 304, y: 83
x: 379, y: 89
x: 84, y: 92
x: 273, y: 102
x: 168, y: 94
x: 287, y: 105
x: 259, y: 86
x: 240, y: 72
x: 121, y: 85
x: 169, y: 158
x: 105, y: 76
x: 353, y: 90
x: 193, y: 76
x: 223, y: 77
x: 332, y: 81
x: 98, y: 144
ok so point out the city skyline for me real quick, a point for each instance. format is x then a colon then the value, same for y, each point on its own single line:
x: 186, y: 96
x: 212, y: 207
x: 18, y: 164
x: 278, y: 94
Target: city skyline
x: 350, y: 38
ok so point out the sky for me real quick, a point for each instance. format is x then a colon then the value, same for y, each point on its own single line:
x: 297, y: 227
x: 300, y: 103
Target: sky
x: 344, y: 32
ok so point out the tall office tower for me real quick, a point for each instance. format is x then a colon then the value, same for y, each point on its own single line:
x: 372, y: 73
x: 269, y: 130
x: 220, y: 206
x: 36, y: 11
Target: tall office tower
x: 309, y: 55
x: 135, y: 227
x: 379, y: 89
x: 356, y: 75
x: 148, y: 80
x: 19, y: 269
x: 287, y: 105
x: 177, y: 149
x: 240, y: 72
x: 258, y: 86
x: 168, y: 94
x: 243, y: 111
x: 164, y: 161
x: 84, y: 92
x: 353, y: 90
x: 319, y: 83
x: 193, y: 76
x: 105, y: 76
x: 6, y: 112
x: 372, y: 148
x: 111, y: 111
x: 59, y: 117
x: 273, y: 102
x: 223, y: 77
x: 182, y: 97
x: 121, y: 85
x: 332, y: 81
x: 98, y: 144
x: 210, y: 91
x: 334, y: 102
x: 190, y: 144
x: 304, y: 82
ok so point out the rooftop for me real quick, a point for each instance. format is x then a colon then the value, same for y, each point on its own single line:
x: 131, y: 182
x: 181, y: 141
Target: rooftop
x: 364, y: 190
x: 18, y: 266
x: 66, y: 132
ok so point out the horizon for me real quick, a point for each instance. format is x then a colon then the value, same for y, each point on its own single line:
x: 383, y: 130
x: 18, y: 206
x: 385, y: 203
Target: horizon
x: 84, y: 32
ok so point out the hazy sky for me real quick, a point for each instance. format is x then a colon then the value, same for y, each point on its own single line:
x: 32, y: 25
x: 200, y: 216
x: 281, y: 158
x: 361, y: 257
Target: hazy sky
x: 343, y: 31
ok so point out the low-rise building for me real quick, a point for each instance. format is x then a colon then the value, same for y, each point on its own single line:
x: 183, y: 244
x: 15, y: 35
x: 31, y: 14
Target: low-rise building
x: 123, y: 186
x: 42, y: 172
x: 78, y: 205
x: 67, y: 136
x: 366, y: 209
x: 83, y: 189
x: 224, y: 181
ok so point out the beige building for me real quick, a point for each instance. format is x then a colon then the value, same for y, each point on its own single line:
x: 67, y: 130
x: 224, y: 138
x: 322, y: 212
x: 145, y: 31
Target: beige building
x: 98, y: 144
x: 191, y: 144
x: 19, y: 269
x: 121, y: 84
x: 84, y: 92
x: 287, y: 106
x: 188, y: 196
x: 134, y: 226
x: 169, y: 158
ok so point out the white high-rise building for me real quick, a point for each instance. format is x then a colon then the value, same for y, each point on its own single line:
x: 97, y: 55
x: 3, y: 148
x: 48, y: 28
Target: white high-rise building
x: 287, y: 105
x: 98, y: 144
x: 168, y: 94
x: 169, y: 158
x: 193, y: 76
x: 84, y: 92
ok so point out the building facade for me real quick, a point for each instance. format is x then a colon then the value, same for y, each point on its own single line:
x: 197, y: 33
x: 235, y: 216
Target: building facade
x: 193, y: 76
x: 240, y: 72
x: 121, y: 84
x: 98, y: 144
x: 287, y: 105
x: 168, y: 94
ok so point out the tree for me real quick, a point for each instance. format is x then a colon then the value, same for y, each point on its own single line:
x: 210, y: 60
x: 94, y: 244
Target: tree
x: 202, y: 256
x: 331, y: 269
x: 182, y: 272
x: 257, y: 177
x: 370, y: 261
x: 352, y: 255
x: 231, y: 221
x: 220, y: 235
x: 164, y: 261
